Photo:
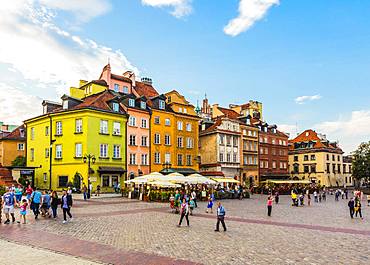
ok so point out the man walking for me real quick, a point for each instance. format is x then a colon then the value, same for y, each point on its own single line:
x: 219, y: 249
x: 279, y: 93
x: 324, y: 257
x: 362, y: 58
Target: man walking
x: 351, y: 205
x: 194, y: 197
x: 36, y: 200
x: 220, y: 217
x: 9, y: 202
x: 84, y: 190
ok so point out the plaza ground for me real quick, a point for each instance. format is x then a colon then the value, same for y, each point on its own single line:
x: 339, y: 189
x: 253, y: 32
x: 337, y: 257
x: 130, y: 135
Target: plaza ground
x: 121, y: 231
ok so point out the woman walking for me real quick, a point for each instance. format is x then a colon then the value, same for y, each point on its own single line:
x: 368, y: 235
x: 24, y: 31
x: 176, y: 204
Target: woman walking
x: 66, y: 206
x: 184, y: 212
x: 54, y: 203
x: 358, y: 208
x: 269, y: 205
x: 18, y: 193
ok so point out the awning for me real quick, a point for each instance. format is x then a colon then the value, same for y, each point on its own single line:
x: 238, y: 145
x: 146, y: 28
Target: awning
x: 111, y: 170
x: 226, y: 180
x: 287, y: 181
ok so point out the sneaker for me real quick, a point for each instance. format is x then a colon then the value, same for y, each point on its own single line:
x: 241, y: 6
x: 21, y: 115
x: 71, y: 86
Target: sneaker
x: 64, y: 222
x: 7, y: 222
x: 217, y: 230
x: 18, y: 222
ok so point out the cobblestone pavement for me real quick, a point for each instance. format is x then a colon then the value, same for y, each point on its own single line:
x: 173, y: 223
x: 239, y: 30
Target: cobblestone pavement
x: 127, y: 230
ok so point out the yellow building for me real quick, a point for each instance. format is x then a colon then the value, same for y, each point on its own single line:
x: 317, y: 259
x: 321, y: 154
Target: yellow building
x: 12, y: 145
x: 61, y: 138
x: 312, y: 157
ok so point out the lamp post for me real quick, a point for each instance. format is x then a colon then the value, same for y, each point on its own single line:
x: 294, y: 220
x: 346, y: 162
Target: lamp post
x: 89, y: 159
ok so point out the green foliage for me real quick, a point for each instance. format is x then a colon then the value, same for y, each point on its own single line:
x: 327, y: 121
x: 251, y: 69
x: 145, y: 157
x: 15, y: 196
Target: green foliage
x: 2, y: 191
x: 77, y: 180
x: 20, y: 161
x: 22, y: 180
x: 361, y: 162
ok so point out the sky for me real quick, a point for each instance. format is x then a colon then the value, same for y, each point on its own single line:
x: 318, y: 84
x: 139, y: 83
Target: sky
x: 307, y: 61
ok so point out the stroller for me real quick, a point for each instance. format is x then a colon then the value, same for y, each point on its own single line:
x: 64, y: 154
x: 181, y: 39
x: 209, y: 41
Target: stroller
x: 173, y: 207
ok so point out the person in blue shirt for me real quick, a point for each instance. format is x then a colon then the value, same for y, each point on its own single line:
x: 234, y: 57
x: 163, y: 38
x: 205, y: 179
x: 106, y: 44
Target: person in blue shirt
x: 9, y: 203
x: 220, y: 217
x: 36, y: 200
x: 45, y: 205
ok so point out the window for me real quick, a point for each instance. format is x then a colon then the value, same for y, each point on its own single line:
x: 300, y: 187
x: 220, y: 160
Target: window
x: 167, y: 122
x: 339, y: 168
x: 144, y: 140
x: 132, y: 121
x: 179, y: 125
x: 327, y: 157
x: 32, y: 154
x: 222, y: 139
x: 157, y: 138
x: 228, y: 140
x: 333, y: 157
x: 188, y: 159
x: 313, y: 168
x: 185, y: 110
x: 235, y: 141
x: 115, y: 107
x: 273, y: 164
x: 47, y: 131
x: 58, y: 151
x: 157, y: 158
x: 65, y: 104
x: 144, y: 123
x: 116, y: 87
x: 328, y: 168
x: 280, y: 142
x: 189, y: 142
x: 179, y: 160
x: 63, y: 180
x: 104, y: 127
x: 180, y: 109
x: 132, y: 159
x: 116, y: 151
x: 221, y: 157
x: 45, y: 177
x: 162, y: 104
x: 266, y: 164
x: 180, y: 142
x: 273, y: 141
x: 20, y: 146
x: 235, y: 157
x: 167, y: 139
x: 143, y: 104
x: 78, y: 150
x: 167, y: 158
x: 228, y: 157
x: 131, y: 102
x: 313, y: 157
x: 132, y: 140
x: 339, y: 158
x: 47, y: 151
x: 157, y: 120
x: 305, y: 158
x: 103, y: 150
x: 125, y: 89
x: 296, y: 168
x: 116, y: 128
x: 58, y: 130
x: 144, y: 159
x: 188, y: 127
x: 78, y: 125
x: 105, y: 181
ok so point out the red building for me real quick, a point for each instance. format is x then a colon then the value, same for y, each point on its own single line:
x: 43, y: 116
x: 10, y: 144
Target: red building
x: 273, y: 152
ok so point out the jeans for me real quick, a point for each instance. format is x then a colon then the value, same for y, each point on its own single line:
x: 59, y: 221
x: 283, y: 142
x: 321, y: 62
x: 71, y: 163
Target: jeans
x: 269, y: 210
x: 54, y: 212
x: 85, y: 196
x: 186, y: 217
x: 65, y: 212
x: 351, y: 211
x: 359, y: 212
x: 18, y: 197
x: 220, y: 219
x: 35, y: 209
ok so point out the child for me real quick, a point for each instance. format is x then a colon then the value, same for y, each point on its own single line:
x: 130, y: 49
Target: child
x: 23, y: 211
x: 192, y: 206
x: 269, y: 205
x: 210, y: 204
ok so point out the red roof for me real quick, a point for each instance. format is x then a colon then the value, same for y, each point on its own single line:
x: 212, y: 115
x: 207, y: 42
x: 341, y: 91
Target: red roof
x: 16, y: 134
x: 229, y: 113
x: 121, y: 78
x: 145, y: 90
x: 311, y: 136
x: 98, y: 101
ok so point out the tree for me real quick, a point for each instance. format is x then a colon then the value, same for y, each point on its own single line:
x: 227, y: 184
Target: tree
x: 20, y: 161
x: 361, y: 163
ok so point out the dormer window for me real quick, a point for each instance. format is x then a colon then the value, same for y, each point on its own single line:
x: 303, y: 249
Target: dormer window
x: 143, y: 104
x: 116, y: 87
x: 115, y: 106
x: 162, y: 104
x: 125, y: 89
x: 248, y: 121
x: 45, y: 109
x: 65, y: 104
x: 131, y: 102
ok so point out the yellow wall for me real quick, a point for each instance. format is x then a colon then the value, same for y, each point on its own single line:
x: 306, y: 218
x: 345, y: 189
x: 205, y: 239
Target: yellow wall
x: 208, y: 148
x: 90, y: 138
x: 86, y: 89
x: 9, y: 151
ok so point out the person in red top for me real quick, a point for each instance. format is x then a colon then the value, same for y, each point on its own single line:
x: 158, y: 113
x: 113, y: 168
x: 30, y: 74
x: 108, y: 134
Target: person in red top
x: 269, y: 205
x: 29, y: 191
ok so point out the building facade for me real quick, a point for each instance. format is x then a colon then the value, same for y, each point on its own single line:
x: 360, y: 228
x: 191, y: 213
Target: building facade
x: 347, y: 171
x: 12, y: 145
x: 59, y: 141
x: 312, y: 157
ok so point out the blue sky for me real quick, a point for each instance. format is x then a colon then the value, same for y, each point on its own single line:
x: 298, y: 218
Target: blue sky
x: 307, y: 60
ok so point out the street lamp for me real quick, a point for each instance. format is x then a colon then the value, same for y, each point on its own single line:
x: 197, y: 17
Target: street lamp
x: 89, y: 159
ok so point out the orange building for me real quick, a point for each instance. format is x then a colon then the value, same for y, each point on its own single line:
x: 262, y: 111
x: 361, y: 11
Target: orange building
x: 12, y: 145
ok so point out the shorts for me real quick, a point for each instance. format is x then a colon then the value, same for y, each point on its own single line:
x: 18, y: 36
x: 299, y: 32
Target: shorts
x: 23, y: 212
x: 8, y: 209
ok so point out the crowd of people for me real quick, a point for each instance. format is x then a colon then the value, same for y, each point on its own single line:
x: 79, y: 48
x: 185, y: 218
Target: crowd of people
x: 44, y: 203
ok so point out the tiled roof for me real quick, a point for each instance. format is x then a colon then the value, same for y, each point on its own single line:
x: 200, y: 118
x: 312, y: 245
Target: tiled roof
x: 98, y: 101
x: 311, y: 136
x: 212, y: 127
x: 16, y: 134
x: 121, y: 78
x: 145, y: 90
x: 229, y: 113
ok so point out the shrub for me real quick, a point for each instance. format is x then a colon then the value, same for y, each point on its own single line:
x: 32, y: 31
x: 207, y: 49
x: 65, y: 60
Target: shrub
x: 2, y: 191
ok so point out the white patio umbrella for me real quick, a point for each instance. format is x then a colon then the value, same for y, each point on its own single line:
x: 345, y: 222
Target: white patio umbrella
x: 177, y: 178
x: 199, y: 179
x: 166, y: 184
x: 147, y: 178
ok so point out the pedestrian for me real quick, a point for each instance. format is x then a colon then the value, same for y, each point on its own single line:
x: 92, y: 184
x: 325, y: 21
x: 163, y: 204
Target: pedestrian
x: 90, y: 191
x: 9, y: 203
x: 269, y: 205
x: 315, y: 196
x: 23, y: 211
x: 69, y: 191
x: 324, y: 196
x: 45, y: 204
x: 209, y: 204
x: 358, y: 208
x: 191, y: 205
x: 18, y: 193
x: 54, y: 203
x: 194, y: 197
x: 66, y: 206
x: 84, y: 190
x: 368, y: 200
x: 351, y: 206
x: 277, y: 197
x: 320, y: 197
x: 36, y: 200
x: 97, y: 190
x: 29, y: 191
x: 308, y: 199
x: 184, y: 212
x: 220, y: 217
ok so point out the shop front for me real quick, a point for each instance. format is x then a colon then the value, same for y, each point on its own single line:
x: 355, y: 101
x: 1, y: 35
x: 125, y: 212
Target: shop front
x: 110, y: 178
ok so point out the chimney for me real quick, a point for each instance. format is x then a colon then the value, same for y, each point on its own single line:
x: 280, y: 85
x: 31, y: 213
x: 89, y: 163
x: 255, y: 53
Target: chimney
x: 147, y: 80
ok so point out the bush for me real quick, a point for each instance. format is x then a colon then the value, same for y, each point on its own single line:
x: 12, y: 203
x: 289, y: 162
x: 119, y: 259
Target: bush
x: 247, y: 195
x: 2, y: 191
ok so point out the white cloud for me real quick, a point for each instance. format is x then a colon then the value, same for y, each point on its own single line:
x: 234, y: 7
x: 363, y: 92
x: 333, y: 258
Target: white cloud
x: 33, y: 45
x: 250, y: 11
x: 303, y: 99
x: 290, y: 129
x: 349, y: 130
x: 181, y: 8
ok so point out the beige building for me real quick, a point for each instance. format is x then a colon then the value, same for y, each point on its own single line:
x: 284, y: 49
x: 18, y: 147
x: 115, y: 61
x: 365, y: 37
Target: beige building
x: 347, y: 171
x: 312, y: 157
